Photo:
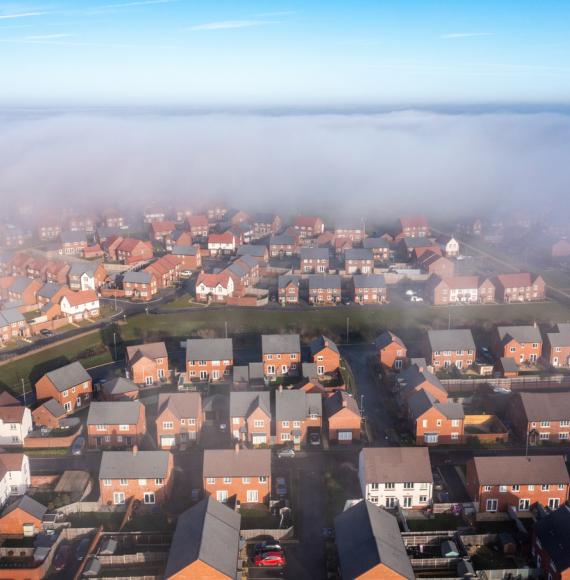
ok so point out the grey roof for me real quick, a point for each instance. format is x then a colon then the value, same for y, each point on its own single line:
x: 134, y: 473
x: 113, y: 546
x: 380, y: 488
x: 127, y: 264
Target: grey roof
x: 326, y: 281
x: 139, y: 277
x: 522, y: 334
x: 297, y: 405
x: 256, y: 251
x: 396, y: 465
x: 27, y: 504
x: 419, y: 242
x: 546, y: 406
x: 240, y: 374
x: 209, y: 349
x: 218, y: 403
x: 358, y: 254
x: 80, y: 268
x: 114, y: 413
x: 372, y: 243
x: 367, y: 536
x: 386, y: 338
x: 553, y: 531
x: 11, y: 316
x: 185, y: 250
x: 208, y: 532
x: 560, y: 338
x: 322, y: 342
x: 280, y: 343
x: 54, y: 407
x: 49, y: 290
x: 412, y: 377
x: 531, y: 470
x: 20, y: 284
x: 232, y: 463
x: 338, y: 401
x: 285, y: 279
x: 309, y: 370
x: 422, y: 401
x: 256, y: 371
x: 314, y: 253
x: 509, y: 364
x: 68, y: 376
x: 120, y: 386
x: 73, y: 237
x: 369, y: 281
x: 263, y: 218
x: 243, y: 403
x: 456, y: 339
x: 181, y: 405
x: 151, y: 350
x: 282, y: 240
x: 129, y: 465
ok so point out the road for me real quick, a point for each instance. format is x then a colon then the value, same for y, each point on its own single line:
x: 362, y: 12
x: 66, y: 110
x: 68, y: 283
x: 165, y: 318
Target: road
x: 89, y: 461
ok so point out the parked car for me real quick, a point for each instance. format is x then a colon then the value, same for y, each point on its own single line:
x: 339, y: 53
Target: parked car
x: 82, y: 549
x: 269, y: 559
x: 280, y: 486
x: 416, y: 299
x: 314, y: 439
x: 286, y: 452
x: 46, y: 332
x: 268, y: 546
x: 61, y: 557
x: 78, y: 446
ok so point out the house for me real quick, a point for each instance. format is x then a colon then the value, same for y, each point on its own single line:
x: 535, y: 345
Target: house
x: 369, y: 289
x: 432, y: 263
x: 223, y: 244
x: 298, y: 414
x: 416, y: 378
x: 380, y: 248
x: 283, y: 245
x: 497, y: 483
x: 162, y: 231
x: 147, y: 364
x: 22, y: 517
x: 370, y: 545
x: 256, y: 251
x: 49, y: 231
x: 246, y: 270
x: 15, y: 478
x: 250, y: 417
x: 198, y: 225
x: 12, y: 236
x: 146, y: 476
x: 521, y: 287
x: 265, y: 224
x: 153, y: 214
x: 434, y: 423
x: 394, y: 477
x: 81, y: 305
x: 414, y: 227
x: 281, y: 354
x: 248, y: 376
x: 82, y: 223
x: 392, y: 352
x: 190, y: 256
x: 133, y: 251
x: 541, y: 416
x: 179, y: 419
x: 355, y: 232
x: 120, y: 389
x: 112, y: 218
x: 288, y: 289
x: 50, y: 292
x: 324, y: 289
x: 206, y: 543
x: 242, y: 475
x: 73, y: 243
x: 71, y: 386
x: 314, y: 260
x: 449, y: 348
x: 449, y: 246
x: 308, y: 226
x: 13, y: 324
x: 48, y: 414
x: 56, y: 272
x: 521, y: 343
x: 551, y: 544
x: 343, y: 418
x: 15, y: 424
x: 116, y: 424
x: 167, y: 270
x: 215, y: 287
x: 178, y: 238
x: 209, y: 359
x: 556, y: 349
x: 325, y: 355
x: 358, y: 261
x: 461, y: 290
x: 24, y: 290
x: 140, y: 286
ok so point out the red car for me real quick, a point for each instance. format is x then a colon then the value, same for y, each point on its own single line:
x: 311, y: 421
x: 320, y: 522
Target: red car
x: 269, y: 559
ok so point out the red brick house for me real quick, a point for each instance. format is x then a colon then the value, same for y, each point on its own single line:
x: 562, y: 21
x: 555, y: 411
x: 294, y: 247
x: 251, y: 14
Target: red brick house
x: 209, y: 359
x: 325, y: 355
x: 314, y: 260
x: 355, y: 232
x: 288, y: 289
x: 551, y: 544
x: 297, y: 415
x: 435, y: 264
x: 325, y: 289
x: 116, y: 424
x: 56, y: 272
x: 71, y: 386
x: 283, y: 245
x: 132, y: 251
x: 369, y: 289
x: 343, y: 418
x: 461, y: 290
x: 147, y: 364
x: 540, y: 417
x: 199, y: 226
x: 556, y: 349
x: 167, y: 270
x: 25, y: 291
x: 146, y: 476
x: 161, y: 231
x: 380, y: 248
x: 451, y: 348
x: 18, y: 516
x: 242, y: 475
x: 281, y: 355
x: 392, y: 352
x: 416, y: 378
x: 140, y: 286
x: 265, y: 224
x: 179, y: 419
x: 308, y: 226
x: 521, y: 343
x: 521, y: 287
x: 48, y: 414
x: 414, y: 227
x: 250, y: 417
x: 495, y: 483
x: 358, y: 261
x: 190, y: 256
x: 73, y: 243
x: 120, y: 389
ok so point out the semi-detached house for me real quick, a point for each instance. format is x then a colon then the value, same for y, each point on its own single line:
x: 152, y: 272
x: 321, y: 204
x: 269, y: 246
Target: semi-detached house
x: 250, y: 417
x: 281, y: 354
x: 451, y: 348
x: 297, y: 415
x: 116, y: 424
x: 209, y: 359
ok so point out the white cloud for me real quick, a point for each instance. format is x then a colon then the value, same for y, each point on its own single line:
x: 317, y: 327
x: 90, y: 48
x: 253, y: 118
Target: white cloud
x: 453, y: 35
x: 20, y: 15
x: 230, y: 24
x: 38, y: 37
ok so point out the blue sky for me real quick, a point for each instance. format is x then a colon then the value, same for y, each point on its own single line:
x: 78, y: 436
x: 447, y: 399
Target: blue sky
x: 187, y: 52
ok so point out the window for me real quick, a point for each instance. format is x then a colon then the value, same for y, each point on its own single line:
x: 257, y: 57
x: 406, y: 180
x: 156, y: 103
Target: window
x: 142, y: 481
x: 561, y: 486
x: 236, y: 420
x: 545, y: 487
x: 159, y: 481
x: 503, y: 488
x: 258, y: 423
x: 123, y: 481
x: 545, y: 423
x: 191, y: 421
x: 564, y: 423
x: 296, y: 424
x: 245, y: 479
x: 544, y: 436
x: 492, y: 505
x: 389, y: 486
x: 262, y: 479
x: 455, y: 423
x: 524, y: 505
x: 167, y: 425
x: 222, y: 496
x: 455, y: 436
x: 123, y: 427
x: 211, y: 480
x: 65, y: 393
x: 516, y: 488
x: 67, y: 406
x: 374, y: 486
x: 149, y: 497
x: 252, y: 496
x: 530, y: 488
x: 227, y: 479
x: 107, y: 438
x: 408, y: 485
x: 106, y: 482
x: 439, y: 422
x: 424, y: 423
x: 101, y: 427
x: 487, y: 488
x: 118, y: 498
x: 423, y: 498
x: 554, y: 503
x: 284, y: 436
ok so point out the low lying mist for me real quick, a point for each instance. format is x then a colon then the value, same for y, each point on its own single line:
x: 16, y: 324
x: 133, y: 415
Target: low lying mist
x: 387, y: 163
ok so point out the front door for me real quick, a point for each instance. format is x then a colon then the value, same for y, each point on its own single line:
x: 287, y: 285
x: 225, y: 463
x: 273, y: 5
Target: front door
x: 554, y: 503
x: 215, y: 375
x: 524, y: 505
x: 78, y: 402
x: 391, y: 502
x: 203, y: 375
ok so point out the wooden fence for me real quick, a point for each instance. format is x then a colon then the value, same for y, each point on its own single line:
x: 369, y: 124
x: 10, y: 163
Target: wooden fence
x: 278, y: 534
x: 137, y: 558
x: 90, y: 506
x: 525, y: 383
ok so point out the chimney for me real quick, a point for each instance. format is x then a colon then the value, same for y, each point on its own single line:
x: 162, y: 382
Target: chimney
x: 135, y: 449
x: 236, y: 448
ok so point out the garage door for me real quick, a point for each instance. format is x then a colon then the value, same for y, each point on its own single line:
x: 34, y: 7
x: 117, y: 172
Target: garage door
x: 259, y: 439
x: 168, y: 441
x: 345, y: 435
